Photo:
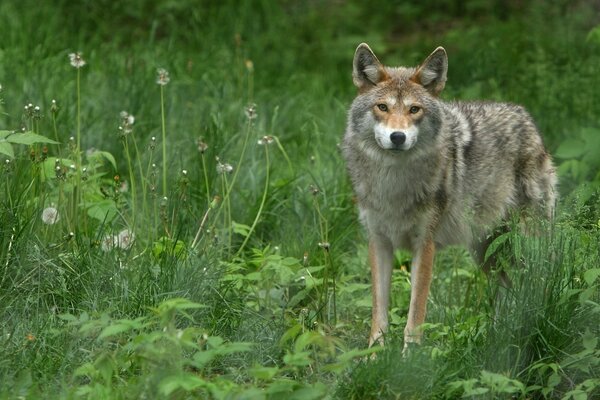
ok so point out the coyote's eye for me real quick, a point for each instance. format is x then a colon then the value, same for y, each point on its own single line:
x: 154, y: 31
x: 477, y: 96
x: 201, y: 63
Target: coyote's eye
x: 382, y: 107
x: 414, y: 109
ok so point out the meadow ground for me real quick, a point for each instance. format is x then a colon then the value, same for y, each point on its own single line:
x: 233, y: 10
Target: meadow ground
x: 176, y: 221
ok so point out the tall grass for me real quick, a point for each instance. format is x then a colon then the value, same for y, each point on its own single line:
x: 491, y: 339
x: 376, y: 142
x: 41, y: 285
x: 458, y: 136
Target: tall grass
x: 229, y: 262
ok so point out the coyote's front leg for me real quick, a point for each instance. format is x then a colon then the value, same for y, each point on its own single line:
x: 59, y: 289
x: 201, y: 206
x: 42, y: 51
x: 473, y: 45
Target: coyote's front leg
x: 381, y: 255
x: 420, y: 279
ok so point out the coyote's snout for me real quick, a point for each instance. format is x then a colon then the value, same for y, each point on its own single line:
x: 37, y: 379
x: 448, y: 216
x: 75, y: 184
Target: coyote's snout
x: 428, y: 173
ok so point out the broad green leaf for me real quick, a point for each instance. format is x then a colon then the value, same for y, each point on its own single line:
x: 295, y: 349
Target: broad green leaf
x: 240, y: 229
x: 590, y: 341
x: 108, y: 157
x: 186, y: 382
x: 493, y: 247
x: 571, y: 148
x: 300, y: 359
x: 264, y: 373
x: 29, y: 138
x: 103, y: 210
x: 114, y: 329
x: 591, y: 275
x: 7, y: 149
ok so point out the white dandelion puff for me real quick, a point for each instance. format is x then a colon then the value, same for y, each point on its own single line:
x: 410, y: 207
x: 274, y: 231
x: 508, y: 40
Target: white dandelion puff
x: 50, y: 216
x: 125, y: 239
x: 76, y: 60
x: 224, y: 168
x: 265, y: 140
x: 162, y: 76
x: 108, y: 243
x: 250, y: 111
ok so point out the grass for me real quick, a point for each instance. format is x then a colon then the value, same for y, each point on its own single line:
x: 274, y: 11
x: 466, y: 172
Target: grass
x: 169, y: 275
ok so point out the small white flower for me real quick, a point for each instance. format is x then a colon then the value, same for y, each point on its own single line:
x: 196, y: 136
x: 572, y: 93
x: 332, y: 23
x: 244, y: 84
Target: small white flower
x: 50, y: 216
x: 250, y: 111
x: 202, y: 146
x: 162, y: 76
x: 76, y: 60
x: 127, y: 121
x: 224, y: 168
x: 268, y: 139
x: 108, y: 242
x: 124, y: 187
x: 125, y: 239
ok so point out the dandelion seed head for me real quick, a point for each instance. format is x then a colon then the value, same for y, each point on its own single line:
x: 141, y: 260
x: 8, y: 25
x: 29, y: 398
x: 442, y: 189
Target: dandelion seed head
x: 202, y: 146
x: 124, y: 187
x: 127, y: 121
x: 108, y: 243
x: 125, y: 239
x: 249, y: 65
x: 223, y: 168
x: 76, y: 60
x: 50, y: 216
x: 324, y: 245
x: 265, y: 140
x: 162, y: 76
x: 250, y: 111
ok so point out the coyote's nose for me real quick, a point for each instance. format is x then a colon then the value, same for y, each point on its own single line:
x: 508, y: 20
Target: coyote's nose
x: 398, y: 138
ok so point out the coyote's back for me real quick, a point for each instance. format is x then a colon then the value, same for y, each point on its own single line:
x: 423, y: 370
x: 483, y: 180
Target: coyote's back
x: 428, y: 173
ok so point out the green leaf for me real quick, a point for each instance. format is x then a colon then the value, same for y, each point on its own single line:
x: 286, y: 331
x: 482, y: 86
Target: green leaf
x: 108, y: 157
x: 263, y: 373
x: 591, y: 275
x: 103, y: 210
x: 7, y: 149
x: 240, y: 229
x: 114, y: 329
x: 497, y: 243
x: 187, y: 383
x: 571, y: 148
x: 590, y: 341
x: 299, y: 359
x: 29, y: 138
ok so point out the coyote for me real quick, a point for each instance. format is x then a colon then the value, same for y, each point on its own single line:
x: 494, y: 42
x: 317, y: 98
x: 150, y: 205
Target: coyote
x: 428, y: 173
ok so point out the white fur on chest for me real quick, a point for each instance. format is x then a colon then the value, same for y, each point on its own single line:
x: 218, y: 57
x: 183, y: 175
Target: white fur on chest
x: 392, y: 203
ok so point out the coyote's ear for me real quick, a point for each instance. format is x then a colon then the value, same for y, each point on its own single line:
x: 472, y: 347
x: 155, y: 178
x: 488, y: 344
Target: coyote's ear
x: 431, y: 74
x: 367, y: 71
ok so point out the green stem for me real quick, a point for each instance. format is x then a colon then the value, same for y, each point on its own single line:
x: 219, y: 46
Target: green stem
x: 77, y: 188
x: 206, y: 184
x: 262, y: 203
x: 237, y: 169
x: 164, y: 140
x: 131, y: 180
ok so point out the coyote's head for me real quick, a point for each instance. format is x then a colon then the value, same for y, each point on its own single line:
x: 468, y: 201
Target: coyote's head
x: 401, y: 101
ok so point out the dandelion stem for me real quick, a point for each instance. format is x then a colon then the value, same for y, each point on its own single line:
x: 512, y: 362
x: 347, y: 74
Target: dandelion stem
x: 206, y: 184
x: 78, y: 150
x: 262, y: 203
x: 237, y: 169
x: 164, y: 140
x: 131, y: 180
